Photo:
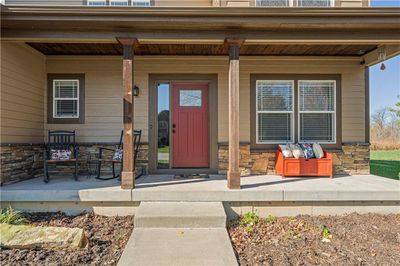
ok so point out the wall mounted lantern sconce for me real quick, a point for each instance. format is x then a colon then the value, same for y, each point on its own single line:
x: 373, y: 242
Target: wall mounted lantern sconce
x: 382, y: 58
x: 135, y: 91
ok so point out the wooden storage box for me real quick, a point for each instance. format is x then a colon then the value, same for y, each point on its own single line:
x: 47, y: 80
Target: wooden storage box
x: 303, y: 167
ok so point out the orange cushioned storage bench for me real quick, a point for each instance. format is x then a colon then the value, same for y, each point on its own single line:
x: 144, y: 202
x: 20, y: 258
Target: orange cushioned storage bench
x: 303, y: 167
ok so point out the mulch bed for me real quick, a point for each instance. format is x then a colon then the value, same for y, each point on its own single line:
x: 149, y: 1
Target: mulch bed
x: 369, y: 239
x: 107, y: 239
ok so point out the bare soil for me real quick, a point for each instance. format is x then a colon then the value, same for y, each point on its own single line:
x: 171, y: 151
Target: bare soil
x: 369, y: 239
x: 107, y: 239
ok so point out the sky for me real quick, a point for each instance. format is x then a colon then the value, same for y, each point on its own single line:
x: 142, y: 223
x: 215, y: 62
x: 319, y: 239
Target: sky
x: 389, y: 3
x: 385, y: 85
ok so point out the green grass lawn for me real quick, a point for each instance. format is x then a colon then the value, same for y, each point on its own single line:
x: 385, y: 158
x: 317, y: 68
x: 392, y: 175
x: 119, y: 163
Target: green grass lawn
x: 164, y: 149
x: 386, y: 163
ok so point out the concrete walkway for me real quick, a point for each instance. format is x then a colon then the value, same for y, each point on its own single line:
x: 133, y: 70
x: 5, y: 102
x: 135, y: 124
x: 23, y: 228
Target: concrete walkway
x: 179, y: 233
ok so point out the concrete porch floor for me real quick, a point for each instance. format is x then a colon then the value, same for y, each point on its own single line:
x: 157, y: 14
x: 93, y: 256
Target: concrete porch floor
x: 165, y: 188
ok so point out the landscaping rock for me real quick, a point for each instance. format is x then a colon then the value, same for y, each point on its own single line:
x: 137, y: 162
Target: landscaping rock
x: 27, y: 237
x: 107, y: 238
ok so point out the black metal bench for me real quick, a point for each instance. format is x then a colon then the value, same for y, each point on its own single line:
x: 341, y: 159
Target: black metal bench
x: 60, y: 141
x: 136, y: 142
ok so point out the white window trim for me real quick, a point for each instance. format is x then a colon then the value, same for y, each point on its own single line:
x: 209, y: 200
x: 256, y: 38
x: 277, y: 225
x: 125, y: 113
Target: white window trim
x: 94, y: 1
x: 317, y: 112
x: 111, y: 1
x: 290, y: 5
x: 57, y: 99
x: 331, y: 4
x: 147, y: 1
x: 276, y: 112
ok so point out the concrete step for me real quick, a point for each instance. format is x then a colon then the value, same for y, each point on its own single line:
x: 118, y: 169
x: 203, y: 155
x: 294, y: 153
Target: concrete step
x: 180, y: 215
x: 178, y: 246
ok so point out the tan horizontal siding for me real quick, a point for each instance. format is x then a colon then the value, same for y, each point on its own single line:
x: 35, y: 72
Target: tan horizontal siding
x: 353, y: 89
x: 104, y: 89
x: 231, y: 3
x: 103, y: 96
x: 81, y: 2
x: 45, y: 2
x: 338, y: 3
x: 23, y: 73
x: 353, y: 3
x: 183, y: 3
x: 103, y: 77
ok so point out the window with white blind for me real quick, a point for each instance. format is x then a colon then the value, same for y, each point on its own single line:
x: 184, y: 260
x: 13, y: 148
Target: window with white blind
x: 96, y: 2
x: 65, y: 98
x: 118, y: 2
x: 141, y: 3
x: 317, y: 111
x: 274, y: 3
x: 315, y: 3
x: 274, y: 111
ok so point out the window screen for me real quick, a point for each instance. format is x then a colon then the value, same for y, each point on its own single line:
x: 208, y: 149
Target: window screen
x: 141, y: 2
x: 274, y: 100
x: 118, y: 2
x: 66, y: 98
x: 315, y: 3
x: 317, y: 111
x: 96, y: 2
x: 274, y: 3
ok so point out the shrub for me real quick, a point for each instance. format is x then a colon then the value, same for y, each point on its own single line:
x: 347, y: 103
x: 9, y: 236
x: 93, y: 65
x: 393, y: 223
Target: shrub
x: 9, y: 216
x: 250, y: 218
x: 271, y: 219
x: 326, y: 233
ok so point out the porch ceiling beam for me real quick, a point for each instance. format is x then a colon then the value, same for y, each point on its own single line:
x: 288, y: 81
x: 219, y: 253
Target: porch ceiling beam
x: 213, y: 19
x: 233, y: 175
x: 253, y: 37
x: 197, y: 11
x: 128, y: 167
x: 372, y: 58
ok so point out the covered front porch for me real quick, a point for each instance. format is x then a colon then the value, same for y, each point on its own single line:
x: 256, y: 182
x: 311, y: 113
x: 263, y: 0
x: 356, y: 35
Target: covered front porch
x: 189, y: 50
x: 265, y: 194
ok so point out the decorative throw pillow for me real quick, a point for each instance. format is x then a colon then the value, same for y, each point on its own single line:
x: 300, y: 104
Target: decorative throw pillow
x: 60, y: 155
x: 297, y: 151
x: 318, y: 151
x: 285, y: 149
x: 308, y: 150
x: 118, y: 155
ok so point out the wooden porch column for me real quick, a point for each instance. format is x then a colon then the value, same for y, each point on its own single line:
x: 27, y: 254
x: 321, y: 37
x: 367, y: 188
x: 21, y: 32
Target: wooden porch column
x: 234, y: 149
x: 128, y: 168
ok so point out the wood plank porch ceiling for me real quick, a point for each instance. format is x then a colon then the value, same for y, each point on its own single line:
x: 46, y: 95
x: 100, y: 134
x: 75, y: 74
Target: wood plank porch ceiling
x: 202, y: 49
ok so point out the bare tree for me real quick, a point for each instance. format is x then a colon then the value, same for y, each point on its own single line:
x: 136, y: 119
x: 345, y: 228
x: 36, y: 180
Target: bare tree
x: 379, y: 118
x: 385, y: 129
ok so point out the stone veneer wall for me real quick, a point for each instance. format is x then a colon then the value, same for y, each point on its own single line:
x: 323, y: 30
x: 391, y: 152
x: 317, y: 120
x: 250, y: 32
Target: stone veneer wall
x: 24, y: 161
x: 352, y: 159
x: 20, y: 162
x: 91, y: 151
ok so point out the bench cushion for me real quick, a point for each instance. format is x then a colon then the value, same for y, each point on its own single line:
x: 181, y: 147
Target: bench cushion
x: 60, y: 155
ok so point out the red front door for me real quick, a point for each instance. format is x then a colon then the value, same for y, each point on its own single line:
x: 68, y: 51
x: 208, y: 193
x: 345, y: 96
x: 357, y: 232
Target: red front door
x: 190, y: 125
